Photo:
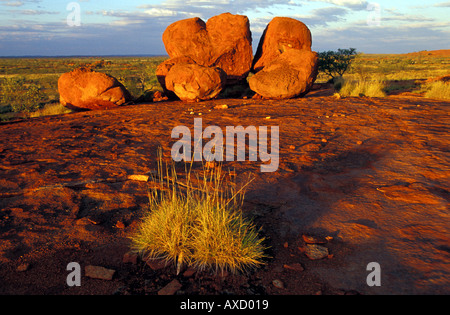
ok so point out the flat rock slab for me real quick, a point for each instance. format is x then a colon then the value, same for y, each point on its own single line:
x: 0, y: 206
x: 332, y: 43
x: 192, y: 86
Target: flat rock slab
x: 97, y: 272
x: 173, y: 287
x: 378, y: 186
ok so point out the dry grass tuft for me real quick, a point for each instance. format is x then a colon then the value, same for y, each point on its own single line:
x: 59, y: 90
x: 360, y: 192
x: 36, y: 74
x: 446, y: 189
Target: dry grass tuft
x: 199, y: 224
x: 438, y: 90
x: 368, y: 88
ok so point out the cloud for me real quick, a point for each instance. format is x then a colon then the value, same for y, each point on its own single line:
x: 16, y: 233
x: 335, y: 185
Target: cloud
x: 33, y: 12
x: 386, y: 38
x: 442, y: 5
x: 323, y: 16
x: 17, y: 3
x: 351, y: 4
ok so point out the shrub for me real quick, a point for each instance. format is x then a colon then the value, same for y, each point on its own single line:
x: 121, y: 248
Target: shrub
x: 438, y: 90
x: 20, y: 96
x: 51, y: 109
x: 369, y: 88
x: 336, y: 63
x: 200, y: 226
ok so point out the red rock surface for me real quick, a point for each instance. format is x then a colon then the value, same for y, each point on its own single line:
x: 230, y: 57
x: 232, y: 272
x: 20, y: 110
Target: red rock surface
x: 379, y: 186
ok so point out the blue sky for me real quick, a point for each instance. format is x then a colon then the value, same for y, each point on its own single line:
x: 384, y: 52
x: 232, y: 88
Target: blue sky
x: 118, y: 27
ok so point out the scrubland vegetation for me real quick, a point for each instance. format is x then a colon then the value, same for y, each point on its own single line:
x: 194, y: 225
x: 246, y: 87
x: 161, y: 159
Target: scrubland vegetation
x: 29, y: 86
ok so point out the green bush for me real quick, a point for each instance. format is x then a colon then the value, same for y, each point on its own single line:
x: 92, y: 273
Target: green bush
x: 336, y: 63
x: 22, y: 97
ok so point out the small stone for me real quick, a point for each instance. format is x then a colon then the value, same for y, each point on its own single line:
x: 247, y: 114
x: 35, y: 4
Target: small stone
x: 189, y: 272
x: 120, y: 225
x: 278, y: 284
x: 314, y: 239
x: 156, y: 264
x: 171, y: 288
x: 221, y: 107
x: 130, y: 257
x: 294, y: 267
x: 139, y: 178
x: 316, y: 252
x: 97, y: 272
x: 23, y: 267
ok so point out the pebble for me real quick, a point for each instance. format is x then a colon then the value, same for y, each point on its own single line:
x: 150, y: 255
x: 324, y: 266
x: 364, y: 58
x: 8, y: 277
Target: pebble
x: 97, y: 272
x: 221, y: 107
x: 156, y: 264
x: 278, y: 284
x: 316, y: 252
x: 23, y: 267
x: 314, y: 239
x: 139, y: 178
x: 294, y: 267
x: 170, y: 289
x: 130, y: 257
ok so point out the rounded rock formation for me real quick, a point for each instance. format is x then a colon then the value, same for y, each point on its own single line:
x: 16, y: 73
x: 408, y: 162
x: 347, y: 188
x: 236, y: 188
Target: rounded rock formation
x: 193, y: 82
x: 85, y: 89
x: 290, y: 75
x: 280, y: 35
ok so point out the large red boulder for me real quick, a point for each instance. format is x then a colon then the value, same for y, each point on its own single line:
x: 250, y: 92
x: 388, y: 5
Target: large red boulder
x: 225, y: 41
x: 193, y: 82
x: 85, y: 89
x: 290, y: 75
x: 281, y: 34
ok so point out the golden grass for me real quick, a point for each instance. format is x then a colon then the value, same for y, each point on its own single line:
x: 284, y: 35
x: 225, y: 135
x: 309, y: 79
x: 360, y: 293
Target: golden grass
x: 438, y: 90
x: 199, y: 225
x: 50, y: 110
x: 368, y: 88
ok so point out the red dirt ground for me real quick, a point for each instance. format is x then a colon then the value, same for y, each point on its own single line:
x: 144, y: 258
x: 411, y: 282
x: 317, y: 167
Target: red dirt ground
x: 372, y: 174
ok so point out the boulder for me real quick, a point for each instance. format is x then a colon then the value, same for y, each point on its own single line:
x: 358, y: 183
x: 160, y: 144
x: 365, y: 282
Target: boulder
x: 193, y: 82
x: 225, y: 41
x: 281, y: 34
x: 290, y: 75
x: 85, y: 89
x: 164, y: 68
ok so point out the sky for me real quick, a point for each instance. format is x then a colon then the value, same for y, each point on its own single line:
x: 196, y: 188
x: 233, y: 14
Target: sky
x: 135, y: 27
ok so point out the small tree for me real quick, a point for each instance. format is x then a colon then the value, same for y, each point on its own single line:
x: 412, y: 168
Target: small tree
x: 336, y: 63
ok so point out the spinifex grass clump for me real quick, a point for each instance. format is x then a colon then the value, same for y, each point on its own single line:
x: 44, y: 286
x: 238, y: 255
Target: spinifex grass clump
x: 198, y: 221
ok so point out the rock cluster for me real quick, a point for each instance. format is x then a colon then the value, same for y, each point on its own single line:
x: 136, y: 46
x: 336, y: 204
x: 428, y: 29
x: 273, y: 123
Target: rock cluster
x: 284, y: 65
x: 204, y: 58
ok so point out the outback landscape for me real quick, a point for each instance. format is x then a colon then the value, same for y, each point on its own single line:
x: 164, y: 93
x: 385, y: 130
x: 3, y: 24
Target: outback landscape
x: 363, y: 172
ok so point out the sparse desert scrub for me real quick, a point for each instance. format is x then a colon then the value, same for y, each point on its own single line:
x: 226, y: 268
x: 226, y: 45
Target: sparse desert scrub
x: 199, y: 222
x: 51, y: 109
x: 437, y: 90
x: 369, y: 88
